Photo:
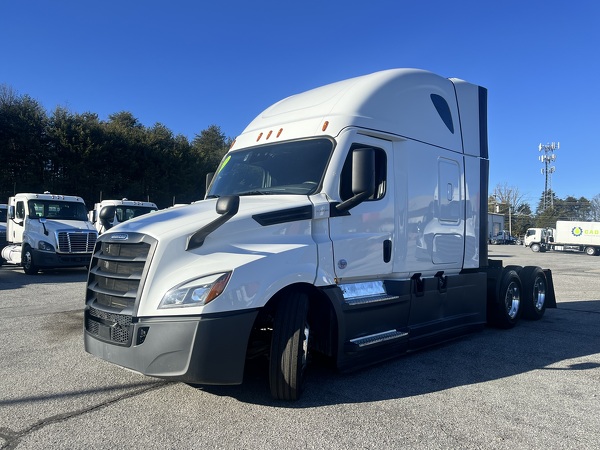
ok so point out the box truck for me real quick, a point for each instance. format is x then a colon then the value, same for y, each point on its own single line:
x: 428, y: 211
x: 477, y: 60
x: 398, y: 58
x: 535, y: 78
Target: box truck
x: 109, y: 213
x: 569, y: 235
x: 348, y: 222
x: 46, y: 231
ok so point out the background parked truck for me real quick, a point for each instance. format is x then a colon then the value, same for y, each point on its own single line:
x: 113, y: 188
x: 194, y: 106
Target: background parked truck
x: 48, y: 231
x: 109, y: 213
x: 348, y: 221
x: 567, y: 236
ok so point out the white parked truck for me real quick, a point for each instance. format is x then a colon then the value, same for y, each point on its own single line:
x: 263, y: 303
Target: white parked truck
x: 109, y: 213
x: 568, y: 235
x: 47, y: 231
x: 348, y: 221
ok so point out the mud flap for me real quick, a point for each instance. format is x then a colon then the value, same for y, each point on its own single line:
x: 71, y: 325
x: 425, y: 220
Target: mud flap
x: 550, y: 295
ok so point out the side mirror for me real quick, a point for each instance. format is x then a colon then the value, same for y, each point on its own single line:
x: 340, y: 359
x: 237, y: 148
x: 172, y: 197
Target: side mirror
x: 106, y: 216
x: 209, y: 178
x: 11, y: 212
x: 363, y: 178
x: 228, y: 205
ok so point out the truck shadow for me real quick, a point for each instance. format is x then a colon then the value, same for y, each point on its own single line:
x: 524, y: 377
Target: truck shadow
x: 548, y: 345
x: 12, y: 277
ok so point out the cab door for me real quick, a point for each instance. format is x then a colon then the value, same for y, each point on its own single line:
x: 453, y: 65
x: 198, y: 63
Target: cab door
x: 362, y: 237
x: 15, y: 227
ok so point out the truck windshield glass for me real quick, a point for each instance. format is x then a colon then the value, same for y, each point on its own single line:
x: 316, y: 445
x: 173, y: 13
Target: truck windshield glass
x: 124, y: 213
x: 56, y: 210
x: 3, y: 215
x: 286, y: 168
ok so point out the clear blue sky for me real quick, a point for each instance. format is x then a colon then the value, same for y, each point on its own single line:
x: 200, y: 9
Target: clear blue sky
x: 192, y: 64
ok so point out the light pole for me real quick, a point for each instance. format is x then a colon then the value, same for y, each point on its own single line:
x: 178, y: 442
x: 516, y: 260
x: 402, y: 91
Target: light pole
x: 547, y: 158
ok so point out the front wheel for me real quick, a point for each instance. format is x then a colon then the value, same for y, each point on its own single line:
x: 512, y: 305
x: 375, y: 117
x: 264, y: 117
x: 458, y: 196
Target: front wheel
x: 535, y: 247
x: 29, y: 266
x: 289, y: 347
x: 534, y: 292
x: 591, y: 251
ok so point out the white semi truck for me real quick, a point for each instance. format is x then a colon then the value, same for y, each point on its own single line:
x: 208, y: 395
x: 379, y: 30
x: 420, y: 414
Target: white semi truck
x: 348, y: 221
x: 568, y: 235
x: 109, y: 213
x: 47, y: 231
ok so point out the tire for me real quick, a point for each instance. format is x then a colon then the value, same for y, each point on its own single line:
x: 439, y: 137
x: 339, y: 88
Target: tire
x: 27, y: 262
x: 535, y: 247
x: 289, y: 347
x: 591, y: 251
x: 504, y: 309
x: 535, y: 286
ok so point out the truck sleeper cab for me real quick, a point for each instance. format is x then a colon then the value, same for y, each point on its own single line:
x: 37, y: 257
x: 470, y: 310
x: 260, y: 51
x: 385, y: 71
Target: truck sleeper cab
x: 347, y: 221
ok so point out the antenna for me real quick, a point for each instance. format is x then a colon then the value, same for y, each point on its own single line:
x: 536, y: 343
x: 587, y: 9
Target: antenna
x: 547, y: 158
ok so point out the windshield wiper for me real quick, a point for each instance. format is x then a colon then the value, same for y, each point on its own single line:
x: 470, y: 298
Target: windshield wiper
x: 255, y: 192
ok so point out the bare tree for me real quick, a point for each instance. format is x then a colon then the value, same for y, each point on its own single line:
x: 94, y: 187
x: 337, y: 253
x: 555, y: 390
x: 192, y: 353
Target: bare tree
x: 508, y: 200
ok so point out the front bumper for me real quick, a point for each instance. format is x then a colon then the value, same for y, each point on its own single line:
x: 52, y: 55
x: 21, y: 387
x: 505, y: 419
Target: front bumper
x: 205, y: 350
x: 51, y: 260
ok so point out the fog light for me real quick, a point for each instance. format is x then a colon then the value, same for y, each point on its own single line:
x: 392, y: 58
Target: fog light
x: 141, y: 335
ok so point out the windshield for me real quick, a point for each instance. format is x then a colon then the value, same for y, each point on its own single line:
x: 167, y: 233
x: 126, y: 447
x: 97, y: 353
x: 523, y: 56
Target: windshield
x: 57, y: 210
x: 125, y: 213
x: 3, y: 215
x: 287, y: 168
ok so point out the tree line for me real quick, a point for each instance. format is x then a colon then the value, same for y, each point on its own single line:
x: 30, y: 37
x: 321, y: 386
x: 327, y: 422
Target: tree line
x: 78, y: 154
x: 507, y: 200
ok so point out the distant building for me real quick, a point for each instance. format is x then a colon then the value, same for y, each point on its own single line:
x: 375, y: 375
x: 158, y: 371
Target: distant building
x: 495, y: 224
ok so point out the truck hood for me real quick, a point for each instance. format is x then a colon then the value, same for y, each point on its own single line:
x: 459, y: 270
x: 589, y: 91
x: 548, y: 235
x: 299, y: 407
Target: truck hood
x: 274, y: 226
x: 174, y: 222
x: 53, y: 225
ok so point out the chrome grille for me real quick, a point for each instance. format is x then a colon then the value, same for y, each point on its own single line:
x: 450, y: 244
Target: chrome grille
x: 76, y: 241
x: 116, y: 273
x: 115, y: 282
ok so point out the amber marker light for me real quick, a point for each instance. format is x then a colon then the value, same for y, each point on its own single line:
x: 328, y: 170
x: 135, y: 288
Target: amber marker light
x: 259, y: 136
x: 325, y: 125
x: 269, y: 134
x: 279, y: 132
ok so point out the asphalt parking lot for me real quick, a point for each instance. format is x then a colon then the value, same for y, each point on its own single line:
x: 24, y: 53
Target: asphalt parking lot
x: 535, y: 386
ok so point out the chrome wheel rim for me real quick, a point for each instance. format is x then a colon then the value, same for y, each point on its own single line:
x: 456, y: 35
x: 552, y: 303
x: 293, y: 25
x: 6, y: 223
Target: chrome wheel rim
x: 512, y: 300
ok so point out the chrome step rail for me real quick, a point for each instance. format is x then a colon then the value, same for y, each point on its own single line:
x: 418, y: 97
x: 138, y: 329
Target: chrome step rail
x: 377, y: 338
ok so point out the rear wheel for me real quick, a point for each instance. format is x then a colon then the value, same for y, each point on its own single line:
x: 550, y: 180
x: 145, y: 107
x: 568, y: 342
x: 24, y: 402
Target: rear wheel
x: 590, y: 251
x: 534, y: 292
x: 289, y: 347
x: 505, y: 308
x: 29, y: 266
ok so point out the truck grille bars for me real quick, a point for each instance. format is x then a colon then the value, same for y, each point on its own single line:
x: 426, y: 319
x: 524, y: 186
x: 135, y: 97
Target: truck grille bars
x: 114, y: 285
x: 76, y: 242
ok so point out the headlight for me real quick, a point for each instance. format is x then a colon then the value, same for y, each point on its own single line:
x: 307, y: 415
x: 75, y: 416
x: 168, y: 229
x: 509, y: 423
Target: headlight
x: 45, y: 246
x: 196, y: 292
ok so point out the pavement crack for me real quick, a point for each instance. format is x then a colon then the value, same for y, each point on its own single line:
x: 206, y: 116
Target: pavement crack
x: 13, y: 438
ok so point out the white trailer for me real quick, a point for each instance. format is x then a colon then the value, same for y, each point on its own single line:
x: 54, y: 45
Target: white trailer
x: 47, y: 231
x: 109, y: 213
x: 347, y: 221
x: 568, y: 235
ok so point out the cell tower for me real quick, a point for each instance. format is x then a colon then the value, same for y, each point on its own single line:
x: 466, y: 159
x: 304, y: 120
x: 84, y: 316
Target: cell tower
x: 548, y: 158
